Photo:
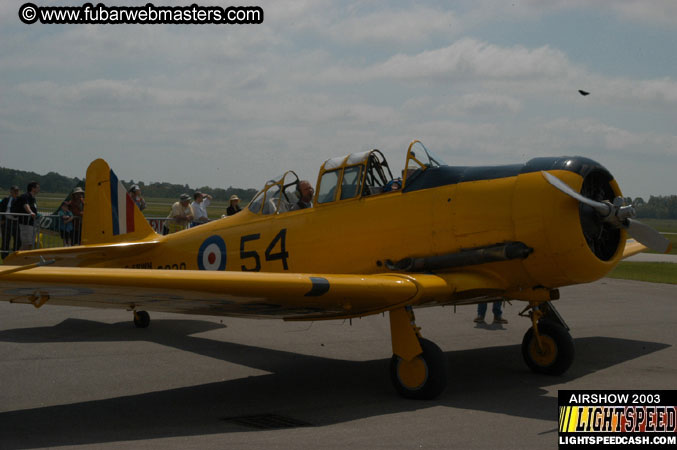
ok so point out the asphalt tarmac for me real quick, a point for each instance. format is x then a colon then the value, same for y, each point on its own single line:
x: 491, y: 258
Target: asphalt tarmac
x: 81, y: 377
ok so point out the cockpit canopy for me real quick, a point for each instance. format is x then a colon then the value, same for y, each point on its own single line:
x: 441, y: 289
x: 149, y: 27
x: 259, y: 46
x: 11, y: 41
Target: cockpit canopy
x: 278, y: 195
x: 346, y: 177
x: 419, y: 159
x: 343, y: 178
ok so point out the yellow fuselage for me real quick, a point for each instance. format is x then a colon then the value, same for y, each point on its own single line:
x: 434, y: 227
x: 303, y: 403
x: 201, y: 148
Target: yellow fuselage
x: 359, y: 235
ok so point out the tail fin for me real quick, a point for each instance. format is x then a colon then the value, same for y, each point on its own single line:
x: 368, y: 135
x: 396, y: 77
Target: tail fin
x: 110, y: 215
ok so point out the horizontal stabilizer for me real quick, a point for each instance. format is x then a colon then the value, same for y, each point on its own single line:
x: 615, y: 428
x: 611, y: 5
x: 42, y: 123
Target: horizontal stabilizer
x: 83, y: 255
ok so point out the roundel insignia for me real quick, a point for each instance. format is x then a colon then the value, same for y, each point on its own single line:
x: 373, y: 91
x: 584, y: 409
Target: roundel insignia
x: 212, y: 254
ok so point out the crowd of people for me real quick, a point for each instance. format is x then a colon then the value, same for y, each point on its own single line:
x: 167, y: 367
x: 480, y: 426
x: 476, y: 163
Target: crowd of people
x: 185, y: 214
x: 20, y: 221
x: 19, y: 217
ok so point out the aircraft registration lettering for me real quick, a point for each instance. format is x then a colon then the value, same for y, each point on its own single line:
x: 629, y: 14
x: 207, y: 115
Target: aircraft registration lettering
x: 179, y: 266
x: 143, y: 265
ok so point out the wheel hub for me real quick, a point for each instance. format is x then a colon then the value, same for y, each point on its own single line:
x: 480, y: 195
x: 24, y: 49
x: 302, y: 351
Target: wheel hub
x: 547, y: 355
x: 412, y: 374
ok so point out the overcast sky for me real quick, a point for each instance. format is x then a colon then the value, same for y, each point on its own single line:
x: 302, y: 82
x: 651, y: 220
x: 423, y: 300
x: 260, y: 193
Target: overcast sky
x: 479, y: 82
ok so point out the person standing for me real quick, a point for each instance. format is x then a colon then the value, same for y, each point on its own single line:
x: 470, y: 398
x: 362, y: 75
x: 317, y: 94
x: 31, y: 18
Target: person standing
x: 496, y: 309
x: 77, y: 206
x: 26, y: 204
x: 8, y: 223
x: 135, y: 193
x: 180, y: 216
x: 66, y: 224
x: 234, y: 207
x: 199, y: 207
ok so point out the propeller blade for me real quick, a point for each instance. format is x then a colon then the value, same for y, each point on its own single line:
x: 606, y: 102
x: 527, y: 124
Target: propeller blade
x: 602, y: 208
x: 648, y: 236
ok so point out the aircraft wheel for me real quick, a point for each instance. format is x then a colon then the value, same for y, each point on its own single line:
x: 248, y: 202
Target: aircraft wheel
x: 141, y: 319
x: 424, y: 377
x: 558, y: 349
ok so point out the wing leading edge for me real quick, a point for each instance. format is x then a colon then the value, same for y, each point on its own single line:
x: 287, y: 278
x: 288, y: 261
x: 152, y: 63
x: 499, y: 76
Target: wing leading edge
x: 220, y: 293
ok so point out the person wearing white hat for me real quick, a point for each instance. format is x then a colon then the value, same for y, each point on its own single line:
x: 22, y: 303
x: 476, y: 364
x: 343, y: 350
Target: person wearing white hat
x: 234, y: 207
x: 135, y: 193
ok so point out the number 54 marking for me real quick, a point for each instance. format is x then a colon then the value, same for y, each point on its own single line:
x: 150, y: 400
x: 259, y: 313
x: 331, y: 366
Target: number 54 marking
x: 283, y: 254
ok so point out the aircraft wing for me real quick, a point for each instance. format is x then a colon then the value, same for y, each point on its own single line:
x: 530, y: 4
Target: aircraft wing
x: 282, y: 295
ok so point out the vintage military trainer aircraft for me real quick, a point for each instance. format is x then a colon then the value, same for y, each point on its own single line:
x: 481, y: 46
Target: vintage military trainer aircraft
x: 442, y: 235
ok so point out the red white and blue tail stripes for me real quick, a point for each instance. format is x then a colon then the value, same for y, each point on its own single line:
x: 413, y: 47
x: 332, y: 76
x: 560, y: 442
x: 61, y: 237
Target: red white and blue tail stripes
x: 122, y: 206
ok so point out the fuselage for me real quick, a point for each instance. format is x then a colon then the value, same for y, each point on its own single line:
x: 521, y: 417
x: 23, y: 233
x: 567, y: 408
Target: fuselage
x: 443, y: 210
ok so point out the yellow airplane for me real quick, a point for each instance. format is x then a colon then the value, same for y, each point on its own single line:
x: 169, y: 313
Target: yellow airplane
x: 442, y: 235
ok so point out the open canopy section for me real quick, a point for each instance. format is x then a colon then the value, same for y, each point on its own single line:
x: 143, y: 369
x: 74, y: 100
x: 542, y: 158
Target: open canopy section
x: 277, y: 196
x: 352, y: 176
x: 419, y: 159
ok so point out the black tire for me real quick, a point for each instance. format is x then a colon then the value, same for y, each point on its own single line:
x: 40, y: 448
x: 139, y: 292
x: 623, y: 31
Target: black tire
x: 435, y: 379
x: 559, y: 349
x: 141, y: 319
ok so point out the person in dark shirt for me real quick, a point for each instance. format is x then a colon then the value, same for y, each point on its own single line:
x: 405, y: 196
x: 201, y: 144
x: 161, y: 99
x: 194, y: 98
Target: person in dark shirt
x: 305, y: 192
x: 234, y: 207
x: 77, y: 206
x: 8, y: 223
x: 27, y: 205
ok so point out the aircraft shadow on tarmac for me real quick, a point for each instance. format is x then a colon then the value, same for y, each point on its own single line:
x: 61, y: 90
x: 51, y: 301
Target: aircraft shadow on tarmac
x: 313, y: 389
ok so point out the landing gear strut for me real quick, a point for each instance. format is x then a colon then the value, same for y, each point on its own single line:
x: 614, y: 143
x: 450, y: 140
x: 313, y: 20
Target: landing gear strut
x: 547, y: 346
x: 141, y: 319
x: 418, y: 368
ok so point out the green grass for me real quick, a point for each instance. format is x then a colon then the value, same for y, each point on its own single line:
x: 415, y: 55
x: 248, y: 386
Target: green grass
x: 654, y: 272
x: 662, y: 225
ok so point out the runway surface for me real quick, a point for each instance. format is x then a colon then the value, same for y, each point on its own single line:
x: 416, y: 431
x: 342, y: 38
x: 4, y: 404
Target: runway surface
x: 80, y: 377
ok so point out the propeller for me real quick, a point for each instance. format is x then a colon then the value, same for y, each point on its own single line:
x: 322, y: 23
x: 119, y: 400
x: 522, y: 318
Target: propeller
x: 617, y: 215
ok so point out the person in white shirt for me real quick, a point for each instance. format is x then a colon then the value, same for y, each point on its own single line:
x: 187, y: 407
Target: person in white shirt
x: 199, y: 207
x: 180, y: 216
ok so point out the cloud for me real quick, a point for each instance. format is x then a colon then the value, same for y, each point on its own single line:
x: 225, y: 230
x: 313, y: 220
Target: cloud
x: 465, y: 59
x: 395, y: 27
x: 318, y: 80
x: 112, y: 94
x: 654, y: 12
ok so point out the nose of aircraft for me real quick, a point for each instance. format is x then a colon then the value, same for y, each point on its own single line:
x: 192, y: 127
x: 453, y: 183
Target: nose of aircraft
x: 603, y: 215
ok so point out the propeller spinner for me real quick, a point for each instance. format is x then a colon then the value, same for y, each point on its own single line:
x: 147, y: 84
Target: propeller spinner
x: 617, y: 215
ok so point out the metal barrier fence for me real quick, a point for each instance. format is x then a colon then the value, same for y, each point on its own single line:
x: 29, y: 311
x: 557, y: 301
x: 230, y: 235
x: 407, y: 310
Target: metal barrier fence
x: 49, y: 231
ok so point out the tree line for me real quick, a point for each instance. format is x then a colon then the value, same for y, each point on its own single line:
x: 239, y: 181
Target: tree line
x: 658, y: 207
x: 54, y: 182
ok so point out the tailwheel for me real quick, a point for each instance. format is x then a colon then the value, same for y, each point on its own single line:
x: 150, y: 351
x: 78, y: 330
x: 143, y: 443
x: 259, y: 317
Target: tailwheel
x: 422, y: 378
x: 141, y: 319
x: 555, y: 353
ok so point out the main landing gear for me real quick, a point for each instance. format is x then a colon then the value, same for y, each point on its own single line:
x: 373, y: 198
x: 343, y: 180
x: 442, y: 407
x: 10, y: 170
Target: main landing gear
x: 547, y: 346
x: 418, y: 368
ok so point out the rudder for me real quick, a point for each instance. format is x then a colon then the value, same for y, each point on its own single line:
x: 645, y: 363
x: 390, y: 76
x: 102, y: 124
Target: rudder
x: 110, y: 215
